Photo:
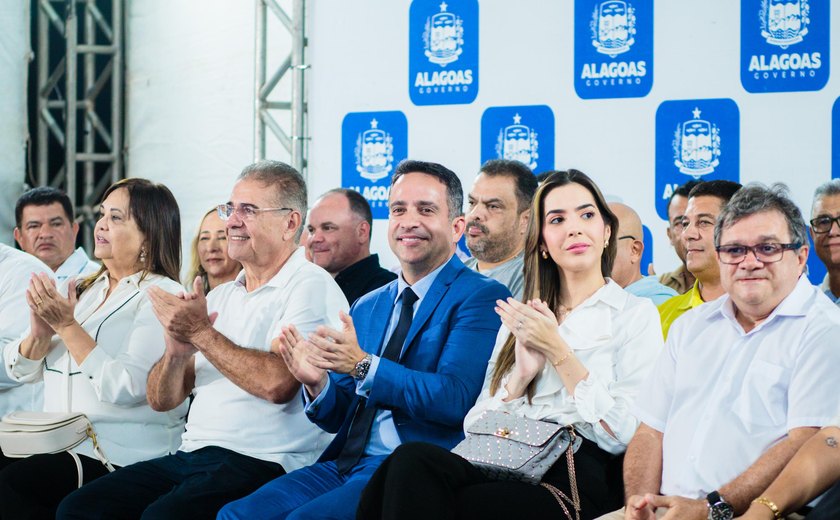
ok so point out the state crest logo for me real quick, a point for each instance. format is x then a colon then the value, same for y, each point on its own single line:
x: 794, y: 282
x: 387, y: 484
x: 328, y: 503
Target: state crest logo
x: 696, y: 146
x: 372, y: 143
x: 784, y: 45
x: 519, y: 133
x: 443, y: 52
x: 613, y: 48
x: 695, y: 139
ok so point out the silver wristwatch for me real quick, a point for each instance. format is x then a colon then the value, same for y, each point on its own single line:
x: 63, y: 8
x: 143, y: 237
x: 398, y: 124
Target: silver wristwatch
x: 360, y: 371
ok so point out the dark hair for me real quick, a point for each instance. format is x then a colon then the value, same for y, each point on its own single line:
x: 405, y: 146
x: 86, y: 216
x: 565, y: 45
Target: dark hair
x: 155, y: 210
x: 43, y: 196
x: 454, y: 191
x: 523, y: 178
x: 724, y: 190
x: 542, y: 277
x: 358, y: 205
x: 758, y: 198
x: 289, y: 185
x: 684, y: 190
x: 541, y: 177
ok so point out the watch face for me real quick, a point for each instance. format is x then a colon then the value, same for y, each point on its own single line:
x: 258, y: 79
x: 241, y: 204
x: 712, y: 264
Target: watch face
x: 721, y: 511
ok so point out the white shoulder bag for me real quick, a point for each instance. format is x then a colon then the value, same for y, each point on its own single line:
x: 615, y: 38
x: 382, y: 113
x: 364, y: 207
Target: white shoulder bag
x: 33, y: 433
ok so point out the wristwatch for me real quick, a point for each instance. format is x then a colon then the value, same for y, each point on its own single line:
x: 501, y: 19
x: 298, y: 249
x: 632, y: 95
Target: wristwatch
x: 360, y: 371
x: 719, y: 508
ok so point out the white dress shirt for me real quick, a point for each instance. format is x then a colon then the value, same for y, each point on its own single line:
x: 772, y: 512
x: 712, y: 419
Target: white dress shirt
x: 16, y: 268
x: 225, y: 415
x: 617, y: 337
x: 109, y: 387
x: 77, y: 265
x: 723, y: 396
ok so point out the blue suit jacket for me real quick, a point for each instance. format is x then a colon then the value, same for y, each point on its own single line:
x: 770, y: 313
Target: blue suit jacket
x: 442, y: 367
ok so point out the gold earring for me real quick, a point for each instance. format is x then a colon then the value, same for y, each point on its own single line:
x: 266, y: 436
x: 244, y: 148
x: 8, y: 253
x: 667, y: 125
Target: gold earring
x: 606, y: 243
x: 544, y: 255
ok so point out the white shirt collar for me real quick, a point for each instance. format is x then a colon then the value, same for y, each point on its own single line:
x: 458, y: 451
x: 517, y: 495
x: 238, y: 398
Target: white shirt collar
x: 284, y: 275
x: 794, y: 304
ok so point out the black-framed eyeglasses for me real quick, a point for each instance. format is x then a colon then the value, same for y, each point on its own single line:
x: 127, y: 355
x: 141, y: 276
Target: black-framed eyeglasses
x: 823, y: 223
x: 624, y: 237
x: 244, y: 212
x: 767, y: 253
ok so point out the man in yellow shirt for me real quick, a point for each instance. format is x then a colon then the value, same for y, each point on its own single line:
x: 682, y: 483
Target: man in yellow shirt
x: 705, y: 202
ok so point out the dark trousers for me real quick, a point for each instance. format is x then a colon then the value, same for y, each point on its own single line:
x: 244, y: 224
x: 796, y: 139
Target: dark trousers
x: 184, y: 485
x: 33, y: 487
x: 829, y: 506
x: 423, y: 481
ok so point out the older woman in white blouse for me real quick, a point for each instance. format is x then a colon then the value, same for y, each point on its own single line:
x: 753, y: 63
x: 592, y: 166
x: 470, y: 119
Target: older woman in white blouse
x: 573, y: 353
x: 94, y: 348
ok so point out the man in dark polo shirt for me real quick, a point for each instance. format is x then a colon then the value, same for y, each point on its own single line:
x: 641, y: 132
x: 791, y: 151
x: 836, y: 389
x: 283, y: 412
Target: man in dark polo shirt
x: 339, y: 241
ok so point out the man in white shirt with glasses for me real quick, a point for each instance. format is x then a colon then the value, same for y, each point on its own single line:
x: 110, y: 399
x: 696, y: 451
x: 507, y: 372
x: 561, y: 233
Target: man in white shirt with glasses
x: 246, y: 424
x: 744, y: 380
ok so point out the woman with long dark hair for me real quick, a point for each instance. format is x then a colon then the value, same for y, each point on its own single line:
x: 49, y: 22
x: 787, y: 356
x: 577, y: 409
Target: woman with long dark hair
x: 94, y: 347
x: 573, y: 352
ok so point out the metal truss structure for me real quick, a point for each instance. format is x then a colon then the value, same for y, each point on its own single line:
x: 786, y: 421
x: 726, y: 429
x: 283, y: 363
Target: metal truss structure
x: 80, y: 79
x: 294, y: 64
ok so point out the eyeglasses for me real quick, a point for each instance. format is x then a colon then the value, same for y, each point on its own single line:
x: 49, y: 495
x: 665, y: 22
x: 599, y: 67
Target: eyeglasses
x: 631, y: 237
x: 766, y: 253
x: 823, y: 223
x: 244, y: 212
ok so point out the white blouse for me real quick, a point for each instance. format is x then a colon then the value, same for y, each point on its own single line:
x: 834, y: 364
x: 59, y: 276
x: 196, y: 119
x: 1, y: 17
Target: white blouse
x: 617, y: 337
x: 110, y: 384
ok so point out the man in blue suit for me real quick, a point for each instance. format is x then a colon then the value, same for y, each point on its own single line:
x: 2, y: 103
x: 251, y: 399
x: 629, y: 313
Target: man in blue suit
x: 407, y: 365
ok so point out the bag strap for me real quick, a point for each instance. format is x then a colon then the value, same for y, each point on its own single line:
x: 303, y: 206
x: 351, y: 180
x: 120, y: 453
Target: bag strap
x: 559, y: 495
x: 79, y: 470
x: 97, y: 449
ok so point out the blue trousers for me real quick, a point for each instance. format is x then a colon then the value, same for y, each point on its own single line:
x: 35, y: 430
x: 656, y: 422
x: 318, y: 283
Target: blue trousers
x: 317, y: 491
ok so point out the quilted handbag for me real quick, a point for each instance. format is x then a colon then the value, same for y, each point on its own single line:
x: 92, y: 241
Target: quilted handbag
x: 510, y: 447
x: 29, y: 433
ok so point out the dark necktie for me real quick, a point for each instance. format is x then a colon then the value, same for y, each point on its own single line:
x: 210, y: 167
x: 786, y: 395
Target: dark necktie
x: 359, y: 432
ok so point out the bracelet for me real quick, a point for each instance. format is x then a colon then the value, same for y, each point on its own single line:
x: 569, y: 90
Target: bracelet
x: 562, y: 359
x: 770, y: 505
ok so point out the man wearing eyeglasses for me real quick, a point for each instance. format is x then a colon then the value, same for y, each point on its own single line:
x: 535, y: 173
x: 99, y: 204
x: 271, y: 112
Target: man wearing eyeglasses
x: 825, y: 232
x: 246, y: 424
x: 744, y: 380
x: 626, y: 270
x: 704, y: 205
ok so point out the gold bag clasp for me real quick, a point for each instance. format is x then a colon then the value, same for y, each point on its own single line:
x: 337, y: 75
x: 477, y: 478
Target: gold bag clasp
x: 502, y: 432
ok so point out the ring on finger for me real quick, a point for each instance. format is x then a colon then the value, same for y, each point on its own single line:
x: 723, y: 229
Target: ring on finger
x: 519, y: 325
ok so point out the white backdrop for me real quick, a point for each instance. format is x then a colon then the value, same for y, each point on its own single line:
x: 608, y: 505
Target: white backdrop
x: 360, y: 50
x: 190, y: 94
x: 14, y: 59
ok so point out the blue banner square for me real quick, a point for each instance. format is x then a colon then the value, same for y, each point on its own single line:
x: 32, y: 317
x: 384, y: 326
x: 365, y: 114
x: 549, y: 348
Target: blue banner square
x: 784, y: 45
x: 613, y: 48
x: 443, y: 52
x: 372, y: 144
x: 695, y: 138
x: 519, y: 133
x: 835, y: 140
